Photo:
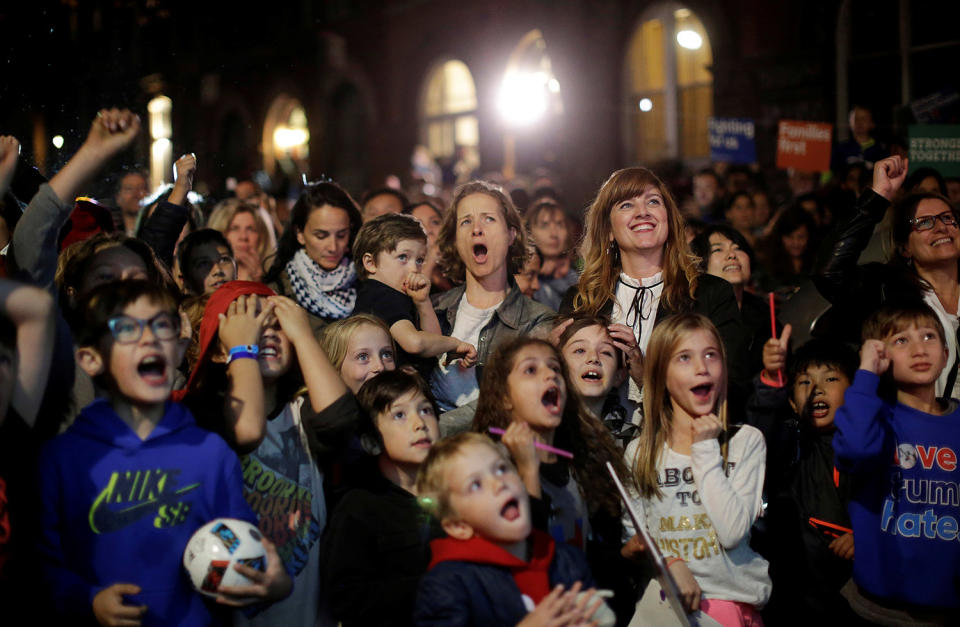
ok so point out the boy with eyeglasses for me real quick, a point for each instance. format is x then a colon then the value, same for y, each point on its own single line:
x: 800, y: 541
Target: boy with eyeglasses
x: 128, y: 483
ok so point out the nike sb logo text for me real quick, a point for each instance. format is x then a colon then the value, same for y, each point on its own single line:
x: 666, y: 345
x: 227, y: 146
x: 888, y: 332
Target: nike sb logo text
x: 133, y: 494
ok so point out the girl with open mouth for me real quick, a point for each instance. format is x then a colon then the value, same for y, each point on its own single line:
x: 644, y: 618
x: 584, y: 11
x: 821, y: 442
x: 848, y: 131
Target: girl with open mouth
x: 700, y: 481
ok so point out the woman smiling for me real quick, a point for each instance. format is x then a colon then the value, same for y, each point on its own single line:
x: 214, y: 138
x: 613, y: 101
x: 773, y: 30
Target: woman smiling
x: 638, y: 268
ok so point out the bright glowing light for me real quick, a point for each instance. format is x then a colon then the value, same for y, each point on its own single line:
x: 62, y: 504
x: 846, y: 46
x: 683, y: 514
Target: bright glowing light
x: 553, y: 85
x: 689, y: 39
x: 57, y: 141
x: 646, y: 105
x: 285, y: 138
x: 523, y: 97
x: 160, y: 124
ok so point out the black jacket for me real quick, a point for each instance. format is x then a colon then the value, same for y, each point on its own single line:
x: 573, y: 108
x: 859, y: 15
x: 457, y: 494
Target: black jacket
x: 854, y: 290
x: 375, y: 551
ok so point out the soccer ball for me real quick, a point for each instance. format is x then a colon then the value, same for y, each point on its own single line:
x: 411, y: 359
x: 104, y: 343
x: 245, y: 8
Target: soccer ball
x: 216, y: 547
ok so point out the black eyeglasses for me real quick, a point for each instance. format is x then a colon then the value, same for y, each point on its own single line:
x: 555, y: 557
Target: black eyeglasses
x: 928, y: 222
x: 127, y: 329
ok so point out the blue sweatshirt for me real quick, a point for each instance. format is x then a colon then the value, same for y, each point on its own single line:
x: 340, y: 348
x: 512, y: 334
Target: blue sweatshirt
x: 906, y: 508
x: 118, y: 509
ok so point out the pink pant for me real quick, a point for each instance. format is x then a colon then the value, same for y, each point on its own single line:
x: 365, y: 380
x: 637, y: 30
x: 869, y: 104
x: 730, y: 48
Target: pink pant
x: 731, y: 613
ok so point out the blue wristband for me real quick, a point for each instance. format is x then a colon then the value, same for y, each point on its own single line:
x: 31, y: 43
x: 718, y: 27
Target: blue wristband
x: 247, y: 351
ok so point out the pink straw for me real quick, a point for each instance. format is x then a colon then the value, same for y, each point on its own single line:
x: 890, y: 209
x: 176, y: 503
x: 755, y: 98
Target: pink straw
x: 539, y: 445
x: 773, y: 333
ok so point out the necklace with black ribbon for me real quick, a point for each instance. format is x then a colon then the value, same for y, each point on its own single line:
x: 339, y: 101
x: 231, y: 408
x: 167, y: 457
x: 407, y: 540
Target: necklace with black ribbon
x: 636, y: 304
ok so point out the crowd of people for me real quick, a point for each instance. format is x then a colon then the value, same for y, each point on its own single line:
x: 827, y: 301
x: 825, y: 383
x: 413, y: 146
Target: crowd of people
x: 417, y: 399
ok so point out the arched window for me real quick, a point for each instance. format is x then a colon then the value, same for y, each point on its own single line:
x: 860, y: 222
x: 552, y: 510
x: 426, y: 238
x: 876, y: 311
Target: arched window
x: 668, y: 86
x: 529, y: 98
x: 449, y: 112
x: 286, y: 137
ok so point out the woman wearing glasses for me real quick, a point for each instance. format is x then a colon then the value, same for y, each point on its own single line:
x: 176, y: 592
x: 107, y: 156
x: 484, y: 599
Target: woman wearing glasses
x: 923, y: 264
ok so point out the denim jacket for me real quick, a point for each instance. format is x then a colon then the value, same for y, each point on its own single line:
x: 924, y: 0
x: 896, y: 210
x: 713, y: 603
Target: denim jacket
x: 516, y: 316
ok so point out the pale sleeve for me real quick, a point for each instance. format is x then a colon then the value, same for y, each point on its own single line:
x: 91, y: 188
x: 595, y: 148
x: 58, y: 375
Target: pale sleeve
x: 629, y: 529
x: 733, y: 503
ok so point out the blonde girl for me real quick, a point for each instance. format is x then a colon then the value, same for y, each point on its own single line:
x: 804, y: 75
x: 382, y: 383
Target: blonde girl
x: 359, y: 348
x: 699, y: 480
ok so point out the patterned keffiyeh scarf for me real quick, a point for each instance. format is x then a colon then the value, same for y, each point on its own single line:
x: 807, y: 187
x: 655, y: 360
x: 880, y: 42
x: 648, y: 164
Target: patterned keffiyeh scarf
x: 324, y: 294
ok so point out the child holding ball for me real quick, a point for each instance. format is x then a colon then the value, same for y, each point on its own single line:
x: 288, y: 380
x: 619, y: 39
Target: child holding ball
x: 135, y: 477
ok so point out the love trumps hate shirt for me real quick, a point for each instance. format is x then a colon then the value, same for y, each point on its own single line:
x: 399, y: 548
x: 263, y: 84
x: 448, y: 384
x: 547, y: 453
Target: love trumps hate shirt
x: 706, y: 513
x: 906, y: 509
x: 118, y: 509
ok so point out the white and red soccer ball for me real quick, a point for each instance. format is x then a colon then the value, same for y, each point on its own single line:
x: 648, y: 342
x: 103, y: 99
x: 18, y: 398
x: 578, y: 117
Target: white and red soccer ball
x: 214, y: 549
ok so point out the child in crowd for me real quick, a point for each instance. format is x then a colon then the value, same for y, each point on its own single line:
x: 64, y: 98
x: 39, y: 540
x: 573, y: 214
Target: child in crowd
x: 597, y: 367
x: 526, y: 391
x: 205, y: 261
x: 290, y: 431
x: 494, y: 568
x: 376, y: 545
x: 700, y: 482
x: 528, y: 279
x: 124, y: 562
x: 389, y: 252
x: 359, y: 347
x: 808, y: 537
x: 903, y: 455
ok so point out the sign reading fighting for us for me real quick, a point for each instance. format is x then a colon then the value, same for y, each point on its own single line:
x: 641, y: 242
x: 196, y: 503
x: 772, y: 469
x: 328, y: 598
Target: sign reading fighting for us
x: 732, y: 140
x: 935, y: 146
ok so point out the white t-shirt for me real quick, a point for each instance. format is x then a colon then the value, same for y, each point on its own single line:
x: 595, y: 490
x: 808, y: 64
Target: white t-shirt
x: 705, y: 514
x: 950, y: 325
x: 451, y: 385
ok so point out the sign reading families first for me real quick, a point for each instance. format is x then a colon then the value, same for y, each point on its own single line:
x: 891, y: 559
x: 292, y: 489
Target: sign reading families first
x: 804, y: 146
x: 935, y: 146
x: 732, y: 140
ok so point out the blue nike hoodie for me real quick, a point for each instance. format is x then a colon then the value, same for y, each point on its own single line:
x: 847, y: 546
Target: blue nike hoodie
x: 118, y: 509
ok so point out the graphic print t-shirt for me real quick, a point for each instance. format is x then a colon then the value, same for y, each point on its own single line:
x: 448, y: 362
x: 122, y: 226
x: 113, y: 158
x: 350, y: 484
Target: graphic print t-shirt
x: 285, y: 489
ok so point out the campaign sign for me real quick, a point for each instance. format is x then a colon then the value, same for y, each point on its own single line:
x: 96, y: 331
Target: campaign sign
x: 732, y: 140
x: 935, y: 146
x: 804, y: 146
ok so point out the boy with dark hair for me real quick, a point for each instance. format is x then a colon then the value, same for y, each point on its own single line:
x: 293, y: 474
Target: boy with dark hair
x: 205, y: 260
x: 903, y: 455
x: 389, y: 252
x: 810, y: 542
x: 494, y: 568
x: 376, y: 543
x: 129, y: 482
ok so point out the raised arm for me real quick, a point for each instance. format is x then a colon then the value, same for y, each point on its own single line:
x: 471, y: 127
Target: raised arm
x: 34, y: 244
x: 162, y: 227
x: 245, y: 411
x: 30, y: 309
x: 863, y: 441
x: 733, y: 502
x: 837, y: 273
x: 9, y: 152
x: 324, y: 385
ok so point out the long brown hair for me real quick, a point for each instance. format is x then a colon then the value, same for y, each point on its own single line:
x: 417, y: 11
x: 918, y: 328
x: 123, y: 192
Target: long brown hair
x: 601, y: 255
x: 450, y: 261
x: 657, y: 406
x: 579, y: 432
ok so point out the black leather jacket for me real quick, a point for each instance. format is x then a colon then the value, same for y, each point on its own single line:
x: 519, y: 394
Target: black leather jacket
x: 855, y: 290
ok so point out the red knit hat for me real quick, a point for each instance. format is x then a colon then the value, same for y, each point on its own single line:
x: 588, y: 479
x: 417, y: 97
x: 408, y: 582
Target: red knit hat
x: 219, y: 302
